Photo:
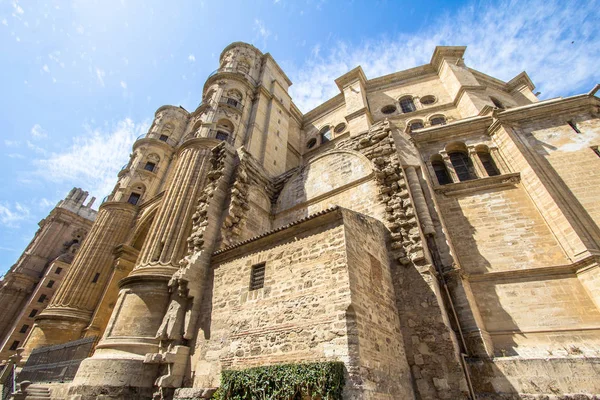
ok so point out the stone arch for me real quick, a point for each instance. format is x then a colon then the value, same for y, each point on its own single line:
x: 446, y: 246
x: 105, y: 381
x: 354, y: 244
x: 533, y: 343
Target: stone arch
x: 143, y: 227
x: 323, y: 174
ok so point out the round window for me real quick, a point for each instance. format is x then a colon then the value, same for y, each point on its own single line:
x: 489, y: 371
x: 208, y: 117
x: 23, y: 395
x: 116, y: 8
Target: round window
x: 340, y: 128
x: 388, y: 109
x: 426, y: 100
x: 311, y: 143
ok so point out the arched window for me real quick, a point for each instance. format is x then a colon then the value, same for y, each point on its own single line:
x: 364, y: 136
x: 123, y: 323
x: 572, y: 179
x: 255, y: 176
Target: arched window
x: 487, y: 161
x: 325, y: 134
x: 497, y: 103
x: 224, y: 130
x: 438, y: 120
x: 462, y: 165
x: 407, y: 104
x: 441, y: 173
x: 418, y: 124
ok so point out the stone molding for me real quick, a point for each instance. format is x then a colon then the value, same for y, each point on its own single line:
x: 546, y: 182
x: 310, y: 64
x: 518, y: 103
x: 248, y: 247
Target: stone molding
x: 479, y: 184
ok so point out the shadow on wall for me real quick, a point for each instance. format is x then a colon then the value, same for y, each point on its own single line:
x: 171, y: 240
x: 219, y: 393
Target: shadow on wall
x: 462, y: 234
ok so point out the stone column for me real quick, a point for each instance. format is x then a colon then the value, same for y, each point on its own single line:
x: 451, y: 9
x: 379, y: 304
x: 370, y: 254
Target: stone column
x: 449, y: 166
x: 71, y: 308
x: 500, y: 164
x: 480, y: 171
x: 117, y: 365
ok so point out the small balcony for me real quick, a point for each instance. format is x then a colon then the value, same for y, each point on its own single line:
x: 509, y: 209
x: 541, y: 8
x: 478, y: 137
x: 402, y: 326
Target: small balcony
x: 231, y: 102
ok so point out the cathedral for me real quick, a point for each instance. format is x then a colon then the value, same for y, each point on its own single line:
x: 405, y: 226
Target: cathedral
x: 435, y: 232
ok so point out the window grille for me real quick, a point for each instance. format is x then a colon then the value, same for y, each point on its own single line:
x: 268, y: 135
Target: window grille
x: 134, y: 198
x: 58, y: 270
x: 149, y: 166
x: 438, y: 121
x: 462, y: 165
x: 416, y: 125
x: 407, y: 105
x: 42, y: 298
x: 24, y: 328
x: 33, y: 313
x: 14, y: 345
x: 163, y: 138
x: 222, y: 136
x: 50, y: 284
x: 441, y: 172
x: 96, y: 277
x: 257, y: 276
x: 488, y: 164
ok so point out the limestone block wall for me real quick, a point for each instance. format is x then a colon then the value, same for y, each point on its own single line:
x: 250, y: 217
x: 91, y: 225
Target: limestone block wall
x: 315, y: 305
x: 570, y: 154
x: 499, y: 229
x: 335, y: 177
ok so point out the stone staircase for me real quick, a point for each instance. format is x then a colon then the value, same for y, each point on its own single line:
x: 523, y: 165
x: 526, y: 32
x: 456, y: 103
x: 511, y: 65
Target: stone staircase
x: 36, y: 392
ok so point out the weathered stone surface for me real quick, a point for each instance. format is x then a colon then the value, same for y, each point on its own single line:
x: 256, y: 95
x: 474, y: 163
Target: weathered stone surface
x: 399, y: 236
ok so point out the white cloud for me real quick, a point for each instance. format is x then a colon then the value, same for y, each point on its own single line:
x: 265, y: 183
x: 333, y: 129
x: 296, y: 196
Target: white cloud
x: 124, y: 84
x: 93, y: 159
x: 4, y: 22
x: 15, y: 155
x: 261, y: 29
x: 11, y: 143
x: 37, y: 132
x: 555, y: 42
x: 35, y: 148
x: 10, y: 216
x: 100, y: 74
x: 192, y: 58
x: 17, y: 7
x: 45, y: 68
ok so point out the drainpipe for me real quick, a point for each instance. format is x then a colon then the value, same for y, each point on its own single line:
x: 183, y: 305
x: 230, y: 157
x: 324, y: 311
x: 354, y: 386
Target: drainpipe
x: 428, y: 229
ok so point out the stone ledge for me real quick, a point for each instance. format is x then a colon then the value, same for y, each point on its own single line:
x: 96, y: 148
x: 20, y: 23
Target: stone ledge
x: 480, y: 184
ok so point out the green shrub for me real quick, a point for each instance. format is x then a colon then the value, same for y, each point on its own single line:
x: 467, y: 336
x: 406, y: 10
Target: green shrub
x: 323, y: 380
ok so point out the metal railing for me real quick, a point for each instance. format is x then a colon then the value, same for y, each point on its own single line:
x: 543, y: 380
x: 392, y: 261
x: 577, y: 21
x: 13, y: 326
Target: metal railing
x: 8, y: 380
x: 231, y: 102
x: 56, y: 363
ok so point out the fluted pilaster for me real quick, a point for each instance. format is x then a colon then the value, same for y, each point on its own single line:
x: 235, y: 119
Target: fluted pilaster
x: 166, y: 242
x: 80, y: 290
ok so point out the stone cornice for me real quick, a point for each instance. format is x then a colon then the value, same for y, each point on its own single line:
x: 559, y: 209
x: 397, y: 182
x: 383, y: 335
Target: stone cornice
x: 442, y: 52
x: 420, y: 72
x: 331, y: 104
x: 476, y: 185
x: 174, y: 108
x: 463, y: 127
x: 309, y: 222
x: 235, y: 75
x: 278, y: 68
x: 358, y: 113
x: 543, y: 109
x: 121, y: 205
x: 356, y: 74
x: 207, y: 143
x: 239, y: 44
x: 554, y: 270
x: 167, y: 148
x: 520, y: 80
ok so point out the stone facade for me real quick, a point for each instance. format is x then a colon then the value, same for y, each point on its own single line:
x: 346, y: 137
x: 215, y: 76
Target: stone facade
x: 435, y: 229
x: 28, y: 286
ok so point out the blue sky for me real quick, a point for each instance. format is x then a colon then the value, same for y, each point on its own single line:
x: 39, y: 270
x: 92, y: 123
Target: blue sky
x: 81, y: 79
